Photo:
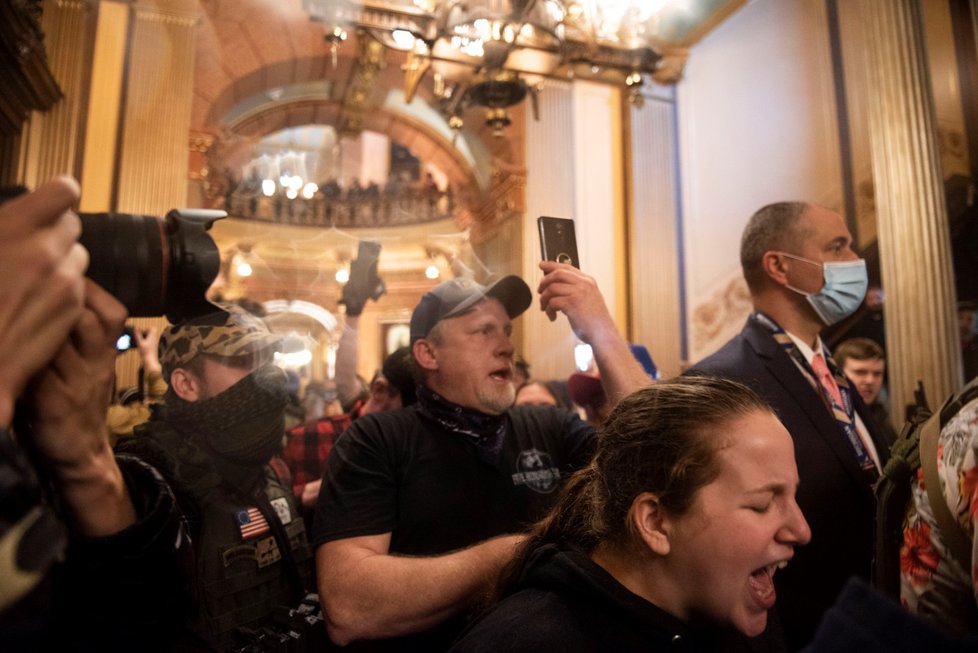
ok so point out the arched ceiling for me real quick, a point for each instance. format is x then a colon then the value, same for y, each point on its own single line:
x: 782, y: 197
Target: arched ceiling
x: 262, y: 66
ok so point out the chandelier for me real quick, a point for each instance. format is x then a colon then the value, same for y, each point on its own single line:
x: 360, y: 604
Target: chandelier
x: 493, y: 53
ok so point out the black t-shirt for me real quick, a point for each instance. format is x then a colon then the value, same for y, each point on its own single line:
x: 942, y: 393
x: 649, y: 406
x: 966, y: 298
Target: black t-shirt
x: 401, y: 473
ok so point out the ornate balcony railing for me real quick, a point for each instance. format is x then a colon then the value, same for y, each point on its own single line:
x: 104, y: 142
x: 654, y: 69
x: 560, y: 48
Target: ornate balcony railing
x: 406, y: 206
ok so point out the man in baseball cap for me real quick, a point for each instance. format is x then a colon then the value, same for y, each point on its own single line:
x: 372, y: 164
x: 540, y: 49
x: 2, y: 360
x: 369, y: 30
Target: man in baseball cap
x: 421, y: 507
x: 461, y: 294
x: 223, y: 421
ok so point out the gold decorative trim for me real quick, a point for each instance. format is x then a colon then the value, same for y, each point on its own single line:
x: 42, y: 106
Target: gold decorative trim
x: 671, y: 67
x: 369, y: 64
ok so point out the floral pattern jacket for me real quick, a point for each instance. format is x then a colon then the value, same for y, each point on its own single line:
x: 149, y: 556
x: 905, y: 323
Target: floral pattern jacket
x: 932, y: 583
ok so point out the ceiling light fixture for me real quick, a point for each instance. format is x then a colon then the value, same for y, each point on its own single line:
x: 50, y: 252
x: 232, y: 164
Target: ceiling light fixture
x: 493, y: 53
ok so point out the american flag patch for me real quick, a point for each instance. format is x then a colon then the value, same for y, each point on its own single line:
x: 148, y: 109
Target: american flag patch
x: 251, y: 522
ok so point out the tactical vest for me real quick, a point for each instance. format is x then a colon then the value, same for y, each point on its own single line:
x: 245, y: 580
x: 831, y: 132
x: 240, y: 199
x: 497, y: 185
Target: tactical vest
x: 241, y: 573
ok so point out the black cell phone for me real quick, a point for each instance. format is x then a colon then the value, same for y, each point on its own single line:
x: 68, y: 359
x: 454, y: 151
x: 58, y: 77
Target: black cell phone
x: 558, y: 240
x: 363, y: 271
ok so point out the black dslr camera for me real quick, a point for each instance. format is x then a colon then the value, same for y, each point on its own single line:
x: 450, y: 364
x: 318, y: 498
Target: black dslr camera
x: 153, y: 266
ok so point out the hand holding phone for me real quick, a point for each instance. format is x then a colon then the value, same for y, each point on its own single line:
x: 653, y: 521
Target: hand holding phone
x: 558, y: 240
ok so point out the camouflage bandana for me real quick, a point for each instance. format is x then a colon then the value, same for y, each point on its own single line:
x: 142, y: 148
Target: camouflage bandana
x: 242, y: 334
x: 243, y: 426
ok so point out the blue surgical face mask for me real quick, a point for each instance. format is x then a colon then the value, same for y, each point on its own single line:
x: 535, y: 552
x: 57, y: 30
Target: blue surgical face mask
x: 843, y: 290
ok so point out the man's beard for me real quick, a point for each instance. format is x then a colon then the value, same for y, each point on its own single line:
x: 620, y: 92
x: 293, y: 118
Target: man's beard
x: 498, y: 402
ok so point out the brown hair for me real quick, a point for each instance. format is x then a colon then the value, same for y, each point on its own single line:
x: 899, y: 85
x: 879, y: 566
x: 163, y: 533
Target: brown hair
x: 662, y: 439
x: 860, y: 349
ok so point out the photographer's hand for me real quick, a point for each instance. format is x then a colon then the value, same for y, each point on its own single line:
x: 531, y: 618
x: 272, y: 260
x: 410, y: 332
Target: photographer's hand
x: 41, y: 283
x: 69, y: 400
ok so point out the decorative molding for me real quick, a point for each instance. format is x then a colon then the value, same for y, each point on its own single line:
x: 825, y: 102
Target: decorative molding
x: 953, y: 147
x: 370, y: 63
x: 182, y: 13
x: 712, y: 319
x: 201, y: 143
x: 671, y: 67
x: 26, y: 80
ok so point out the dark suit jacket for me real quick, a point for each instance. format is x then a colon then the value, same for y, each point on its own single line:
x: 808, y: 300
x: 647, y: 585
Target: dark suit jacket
x: 834, y: 496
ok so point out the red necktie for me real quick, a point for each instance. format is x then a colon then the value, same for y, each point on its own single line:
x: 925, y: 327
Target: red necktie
x: 826, y: 379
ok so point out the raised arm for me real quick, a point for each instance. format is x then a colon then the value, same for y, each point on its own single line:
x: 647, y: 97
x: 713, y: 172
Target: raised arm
x: 566, y: 289
x: 148, y: 343
x: 348, y: 386
x: 369, y: 594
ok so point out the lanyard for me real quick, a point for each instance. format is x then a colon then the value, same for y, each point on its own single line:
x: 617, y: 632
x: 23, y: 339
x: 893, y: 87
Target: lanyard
x: 845, y: 415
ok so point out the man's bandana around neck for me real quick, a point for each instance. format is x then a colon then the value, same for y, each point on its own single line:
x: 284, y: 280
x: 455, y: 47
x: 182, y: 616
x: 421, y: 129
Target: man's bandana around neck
x: 485, y: 432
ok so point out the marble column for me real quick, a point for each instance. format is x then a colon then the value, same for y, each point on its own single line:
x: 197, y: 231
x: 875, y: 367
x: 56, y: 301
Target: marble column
x: 654, y: 239
x: 915, y: 255
x: 574, y: 166
x: 152, y: 169
x: 156, y: 117
x: 54, y: 136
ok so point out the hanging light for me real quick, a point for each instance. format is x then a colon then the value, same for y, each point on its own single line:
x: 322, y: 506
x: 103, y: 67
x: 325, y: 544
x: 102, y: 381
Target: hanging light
x: 492, y: 53
x: 432, y: 271
x: 244, y: 269
x: 342, y: 275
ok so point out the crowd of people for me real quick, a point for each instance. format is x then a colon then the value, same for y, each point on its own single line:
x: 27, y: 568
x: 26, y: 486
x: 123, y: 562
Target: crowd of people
x: 453, y: 502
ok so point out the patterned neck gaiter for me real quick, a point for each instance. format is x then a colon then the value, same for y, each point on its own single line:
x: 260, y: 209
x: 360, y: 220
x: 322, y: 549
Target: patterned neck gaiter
x: 484, y: 432
x: 241, y: 428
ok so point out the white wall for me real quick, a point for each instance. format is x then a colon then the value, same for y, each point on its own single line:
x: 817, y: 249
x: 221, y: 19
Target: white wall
x: 756, y: 125
x: 571, y: 173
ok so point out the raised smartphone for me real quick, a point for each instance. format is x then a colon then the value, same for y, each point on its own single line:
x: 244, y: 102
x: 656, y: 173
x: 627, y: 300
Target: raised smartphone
x: 558, y: 240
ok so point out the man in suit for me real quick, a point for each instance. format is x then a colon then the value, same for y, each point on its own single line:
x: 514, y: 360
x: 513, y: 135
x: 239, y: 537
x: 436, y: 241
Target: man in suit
x: 803, y: 275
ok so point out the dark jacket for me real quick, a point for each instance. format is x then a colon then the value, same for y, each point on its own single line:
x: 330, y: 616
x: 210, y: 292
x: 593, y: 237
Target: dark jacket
x: 868, y: 621
x: 565, y: 602
x: 834, y: 495
x: 241, y: 575
x: 117, y: 593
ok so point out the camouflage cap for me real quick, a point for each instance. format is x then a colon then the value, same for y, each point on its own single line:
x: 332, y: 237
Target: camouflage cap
x: 241, y: 333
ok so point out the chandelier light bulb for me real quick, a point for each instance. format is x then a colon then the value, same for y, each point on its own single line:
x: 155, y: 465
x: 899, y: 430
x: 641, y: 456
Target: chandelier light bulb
x: 309, y: 190
x: 244, y: 269
x: 342, y: 275
x: 268, y: 187
x: 403, y: 38
x: 432, y: 271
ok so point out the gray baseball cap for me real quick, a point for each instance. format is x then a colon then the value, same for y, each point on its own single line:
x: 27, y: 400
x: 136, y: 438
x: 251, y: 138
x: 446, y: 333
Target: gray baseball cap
x: 454, y: 297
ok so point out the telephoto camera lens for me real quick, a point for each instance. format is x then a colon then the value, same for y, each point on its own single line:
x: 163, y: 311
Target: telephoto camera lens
x: 153, y: 266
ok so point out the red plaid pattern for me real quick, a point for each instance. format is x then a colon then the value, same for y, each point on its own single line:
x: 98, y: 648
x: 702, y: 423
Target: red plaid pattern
x: 307, y: 449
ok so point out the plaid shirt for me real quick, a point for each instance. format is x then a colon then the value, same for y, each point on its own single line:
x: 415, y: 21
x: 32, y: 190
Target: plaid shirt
x: 307, y: 448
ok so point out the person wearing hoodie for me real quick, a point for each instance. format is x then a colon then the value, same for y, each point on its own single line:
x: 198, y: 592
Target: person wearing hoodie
x: 668, y: 540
